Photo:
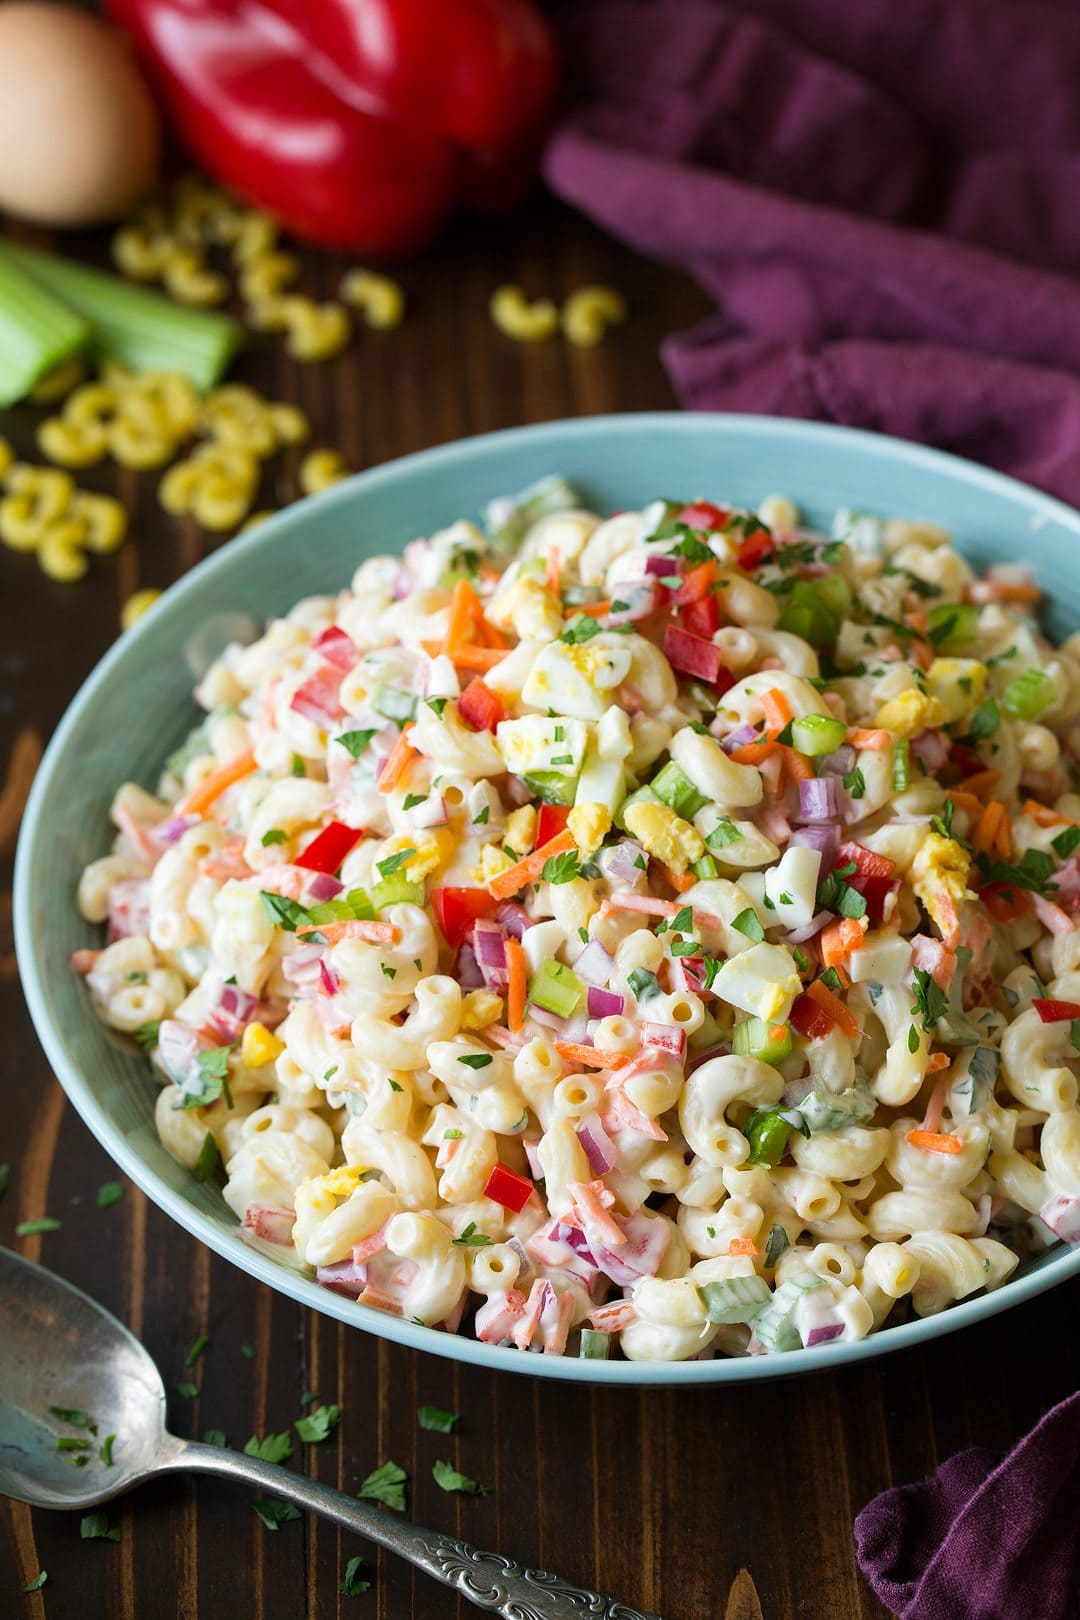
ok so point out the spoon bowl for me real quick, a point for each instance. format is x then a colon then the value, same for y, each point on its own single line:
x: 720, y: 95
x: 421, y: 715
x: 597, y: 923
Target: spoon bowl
x: 63, y: 1353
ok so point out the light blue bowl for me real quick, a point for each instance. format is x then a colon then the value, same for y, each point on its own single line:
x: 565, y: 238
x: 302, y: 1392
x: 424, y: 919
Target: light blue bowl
x: 135, y: 708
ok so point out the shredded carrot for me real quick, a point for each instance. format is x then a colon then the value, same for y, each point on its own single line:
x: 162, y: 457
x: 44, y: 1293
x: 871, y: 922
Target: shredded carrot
x: 477, y: 658
x: 489, y: 636
x: 464, y: 608
x: 594, y: 610
x: 592, y: 1200
x: 376, y: 933
x: 589, y: 1057
x: 213, y: 786
x: 552, y: 575
x: 515, y: 994
x: 776, y: 709
x: 680, y: 881
x: 982, y: 784
x: 397, y: 761
x: 83, y: 961
x: 650, y: 904
x: 797, y: 766
x: 379, y: 1301
x: 505, y: 884
x: 614, y: 1316
x: 935, y: 1142
x: 986, y: 829
x: 1043, y: 816
x: 1003, y: 843
x: 1003, y: 590
x: 873, y: 737
x: 938, y: 1061
x: 754, y: 753
x: 838, y: 940
x: 835, y: 1008
x: 966, y: 802
x: 742, y: 1245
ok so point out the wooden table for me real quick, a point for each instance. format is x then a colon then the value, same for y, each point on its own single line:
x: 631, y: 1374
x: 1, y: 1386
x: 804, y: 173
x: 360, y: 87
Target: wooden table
x: 697, y: 1504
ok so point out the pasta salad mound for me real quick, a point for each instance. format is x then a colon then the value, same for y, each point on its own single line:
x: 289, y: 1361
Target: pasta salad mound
x: 652, y: 934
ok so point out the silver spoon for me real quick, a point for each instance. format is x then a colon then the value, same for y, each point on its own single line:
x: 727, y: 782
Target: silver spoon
x: 59, y: 1348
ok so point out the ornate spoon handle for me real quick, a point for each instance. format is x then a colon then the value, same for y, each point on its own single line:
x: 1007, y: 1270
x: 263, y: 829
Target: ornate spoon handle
x: 487, y: 1579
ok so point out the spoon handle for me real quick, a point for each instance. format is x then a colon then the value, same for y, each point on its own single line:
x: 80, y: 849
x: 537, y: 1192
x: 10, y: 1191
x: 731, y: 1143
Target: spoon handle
x: 487, y: 1579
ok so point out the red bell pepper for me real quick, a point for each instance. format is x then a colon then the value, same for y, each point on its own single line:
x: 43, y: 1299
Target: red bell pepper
x: 360, y: 124
x: 757, y: 548
x: 692, y: 655
x: 326, y: 852
x: 704, y: 515
x: 507, y: 1188
x: 1056, y: 1012
x: 810, y: 1019
x: 479, y: 707
x: 550, y: 821
x: 701, y: 618
x: 458, y: 909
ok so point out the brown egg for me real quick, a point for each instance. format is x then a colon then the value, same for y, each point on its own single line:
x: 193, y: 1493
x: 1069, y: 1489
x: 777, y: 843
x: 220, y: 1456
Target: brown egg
x: 79, y: 132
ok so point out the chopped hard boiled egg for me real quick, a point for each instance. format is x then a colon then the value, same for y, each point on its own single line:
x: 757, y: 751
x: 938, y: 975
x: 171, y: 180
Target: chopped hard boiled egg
x: 538, y: 742
x: 763, y: 981
x: 665, y: 835
x: 958, y: 684
x: 939, y: 875
x: 576, y: 678
x: 910, y: 712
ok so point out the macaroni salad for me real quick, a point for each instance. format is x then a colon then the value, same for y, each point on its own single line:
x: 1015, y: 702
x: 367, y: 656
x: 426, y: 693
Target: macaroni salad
x: 654, y: 932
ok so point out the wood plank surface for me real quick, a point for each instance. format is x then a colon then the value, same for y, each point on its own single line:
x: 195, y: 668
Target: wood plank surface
x: 695, y: 1504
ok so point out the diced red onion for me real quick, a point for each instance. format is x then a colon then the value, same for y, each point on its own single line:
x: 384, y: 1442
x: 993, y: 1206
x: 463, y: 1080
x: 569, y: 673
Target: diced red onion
x: 576, y: 1028
x: 794, y: 1092
x: 518, y: 791
x: 129, y: 908
x: 665, y: 1037
x: 595, y: 965
x: 738, y: 738
x: 799, y: 936
x: 513, y: 919
x: 1062, y: 1215
x: 328, y: 979
x: 489, y: 946
x: 549, y: 1020
x: 599, y: 1148
x: 641, y: 599
x: 822, y: 836
x: 336, y: 646
x: 932, y: 749
x: 179, y: 1046
x: 467, y: 969
x: 619, y: 863
x: 840, y: 761
x: 302, y: 965
x: 1067, y: 878
x: 817, y: 798
x: 692, y: 655
x: 604, y: 1003
x: 323, y: 886
x: 167, y: 832
x: 824, y: 1334
x: 343, y: 1277
x: 536, y: 1169
x: 663, y: 566
x: 234, y: 1008
x: 647, y: 1238
x: 722, y: 1049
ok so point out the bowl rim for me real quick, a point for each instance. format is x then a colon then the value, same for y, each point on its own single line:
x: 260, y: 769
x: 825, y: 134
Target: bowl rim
x: 80, y: 1091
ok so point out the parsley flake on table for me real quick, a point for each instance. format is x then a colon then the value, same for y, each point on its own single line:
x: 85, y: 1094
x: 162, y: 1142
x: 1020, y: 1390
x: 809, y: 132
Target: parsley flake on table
x: 353, y: 1581
x: 187, y: 1391
x: 472, y: 1239
x: 385, y: 1484
x: 95, y: 1527
x: 109, y: 1193
x: 272, y: 1448
x: 435, y: 1420
x: 272, y: 1512
x: 215, y: 1437
x: 196, y: 1350
x: 44, y: 1223
x: 248, y: 1350
x: 38, y: 1581
x: 447, y: 1478
x: 318, y: 1425
x: 5, y: 1177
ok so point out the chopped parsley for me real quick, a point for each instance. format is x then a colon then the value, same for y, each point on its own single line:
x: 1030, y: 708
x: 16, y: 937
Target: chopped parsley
x: 481, y: 819
x: 389, y: 866
x: 643, y: 984
x: 387, y: 972
x: 283, y: 912
x: 95, y: 1527
x: 833, y: 894
x: 831, y: 978
x: 273, y: 836
x: 931, y: 1002
x: 580, y: 628
x: 912, y: 1038
x: 447, y: 1478
x: 435, y: 1420
x: 472, y: 1239
x: 105, y: 1450
x: 476, y: 1060
x: 196, y: 1350
x: 1066, y: 841
x: 109, y: 1193
x: 208, y: 1158
x: 354, y: 742
x: 561, y: 868
x: 44, y: 1223
x: 985, y: 720
x: 392, y: 1083
x: 749, y: 923
x: 778, y: 1244
x: 386, y: 1485
x: 437, y: 705
x: 213, y: 1079
x: 147, y: 1034
x: 273, y: 1448
x: 272, y: 1512
x: 318, y: 1425
x: 72, y: 1414
x: 353, y: 1582
x: 1033, y: 871
x: 942, y: 824
x: 855, y: 783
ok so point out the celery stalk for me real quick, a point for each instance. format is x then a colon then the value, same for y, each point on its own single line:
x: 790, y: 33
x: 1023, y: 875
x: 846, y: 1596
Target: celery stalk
x: 139, y: 328
x: 37, y: 332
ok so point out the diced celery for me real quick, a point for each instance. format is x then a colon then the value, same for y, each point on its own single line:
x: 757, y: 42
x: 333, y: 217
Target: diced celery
x: 835, y: 1110
x: 393, y: 703
x: 901, y: 765
x: 834, y: 591
x: 1026, y: 697
x: 37, y: 332
x: 641, y: 795
x: 140, y: 328
x: 735, y: 1299
x: 767, y: 1132
x: 816, y: 608
x: 672, y: 785
x: 330, y: 911
x: 774, y: 1328
x: 359, y: 903
x: 397, y: 890
x: 552, y: 787
x: 769, y: 1043
x: 594, y: 1346
x: 704, y: 868
x: 952, y: 626
x: 556, y: 988
x: 817, y: 734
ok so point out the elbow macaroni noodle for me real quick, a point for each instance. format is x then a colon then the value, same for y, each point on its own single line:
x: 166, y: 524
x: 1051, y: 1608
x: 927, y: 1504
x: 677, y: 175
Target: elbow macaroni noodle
x: 658, y: 931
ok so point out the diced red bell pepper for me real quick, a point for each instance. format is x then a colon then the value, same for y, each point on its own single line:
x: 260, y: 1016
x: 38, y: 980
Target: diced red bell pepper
x: 336, y: 647
x: 867, y: 862
x: 318, y: 698
x: 507, y: 1188
x: 693, y: 655
x: 479, y: 707
x: 757, y: 548
x: 1004, y: 901
x: 810, y: 1018
x: 704, y: 515
x: 701, y: 618
x: 458, y: 909
x: 696, y: 583
x: 551, y: 821
x: 326, y: 852
x: 1056, y: 1012
x: 965, y: 759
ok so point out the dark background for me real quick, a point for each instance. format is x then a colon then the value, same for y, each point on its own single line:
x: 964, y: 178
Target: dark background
x: 660, y: 1497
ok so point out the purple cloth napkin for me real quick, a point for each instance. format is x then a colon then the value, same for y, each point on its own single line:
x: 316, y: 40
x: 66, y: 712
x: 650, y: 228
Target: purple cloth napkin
x: 883, y: 200
x: 985, y: 1538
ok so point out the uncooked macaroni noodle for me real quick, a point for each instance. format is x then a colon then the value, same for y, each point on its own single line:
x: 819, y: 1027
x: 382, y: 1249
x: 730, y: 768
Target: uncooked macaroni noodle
x: 653, y: 933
